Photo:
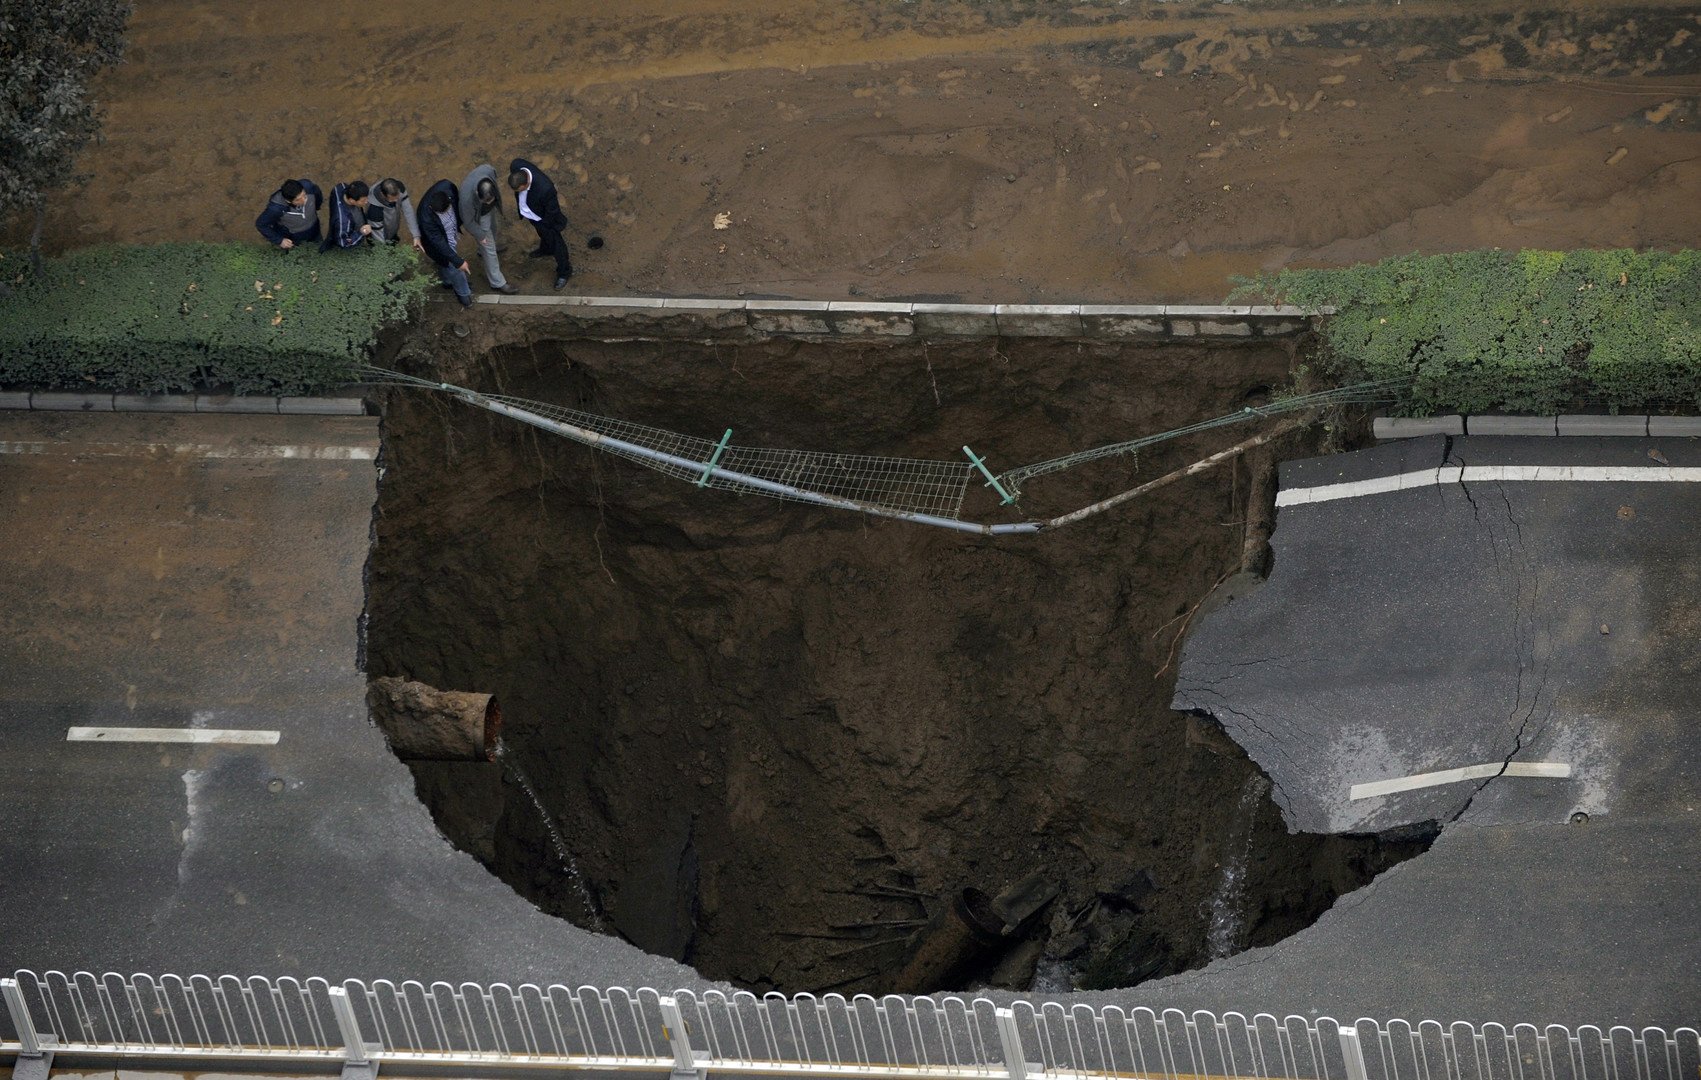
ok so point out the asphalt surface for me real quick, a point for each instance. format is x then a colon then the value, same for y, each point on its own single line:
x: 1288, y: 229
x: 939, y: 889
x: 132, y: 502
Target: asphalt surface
x: 191, y: 571
x: 206, y: 572
x: 1462, y: 624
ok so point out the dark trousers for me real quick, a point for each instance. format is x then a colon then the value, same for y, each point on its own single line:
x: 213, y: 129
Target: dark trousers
x: 549, y: 239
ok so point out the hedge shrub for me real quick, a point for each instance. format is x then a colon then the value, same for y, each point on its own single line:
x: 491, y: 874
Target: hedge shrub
x: 1529, y: 332
x: 175, y: 317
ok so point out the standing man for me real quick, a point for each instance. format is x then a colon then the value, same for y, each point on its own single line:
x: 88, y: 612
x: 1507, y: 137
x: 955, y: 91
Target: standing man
x: 348, y: 224
x: 481, y: 205
x: 439, y: 234
x: 539, y: 205
x: 291, y: 216
x: 390, y: 210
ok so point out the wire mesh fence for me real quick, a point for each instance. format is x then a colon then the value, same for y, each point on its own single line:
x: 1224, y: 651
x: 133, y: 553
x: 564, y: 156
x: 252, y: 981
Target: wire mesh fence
x: 1360, y: 393
x: 288, y: 1020
x: 903, y: 484
x: 927, y: 490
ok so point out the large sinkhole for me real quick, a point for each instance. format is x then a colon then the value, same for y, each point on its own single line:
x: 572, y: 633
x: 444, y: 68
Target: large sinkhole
x: 805, y: 749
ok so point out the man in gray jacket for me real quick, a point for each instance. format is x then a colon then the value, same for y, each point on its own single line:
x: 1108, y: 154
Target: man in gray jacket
x: 481, y: 206
x: 389, y: 210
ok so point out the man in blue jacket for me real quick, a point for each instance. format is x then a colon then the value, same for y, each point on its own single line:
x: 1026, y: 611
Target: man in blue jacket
x: 439, y: 232
x: 535, y: 196
x: 291, y: 216
x: 349, y: 226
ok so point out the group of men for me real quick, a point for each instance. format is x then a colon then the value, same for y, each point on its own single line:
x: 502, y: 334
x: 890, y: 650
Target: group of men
x: 362, y: 213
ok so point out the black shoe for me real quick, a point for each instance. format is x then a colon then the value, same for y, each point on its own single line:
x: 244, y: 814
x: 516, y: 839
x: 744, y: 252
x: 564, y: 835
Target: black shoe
x: 466, y: 301
x: 508, y: 290
x: 560, y: 282
x: 540, y: 253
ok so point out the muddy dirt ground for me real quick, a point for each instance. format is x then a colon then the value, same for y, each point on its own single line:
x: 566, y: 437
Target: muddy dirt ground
x: 775, y: 736
x: 1004, y: 150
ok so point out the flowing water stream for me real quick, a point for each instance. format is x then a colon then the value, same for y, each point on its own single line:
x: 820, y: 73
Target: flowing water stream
x: 1227, y: 927
x: 512, y: 766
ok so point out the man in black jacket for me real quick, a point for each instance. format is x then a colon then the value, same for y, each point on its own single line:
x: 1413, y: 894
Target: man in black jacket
x: 538, y: 204
x: 439, y: 232
x: 348, y: 225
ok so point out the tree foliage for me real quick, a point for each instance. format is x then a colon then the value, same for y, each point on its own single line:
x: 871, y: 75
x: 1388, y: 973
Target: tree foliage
x: 49, y: 52
x: 1527, y: 332
x: 175, y: 317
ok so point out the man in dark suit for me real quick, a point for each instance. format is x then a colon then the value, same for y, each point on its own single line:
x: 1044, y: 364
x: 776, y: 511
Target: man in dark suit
x: 538, y: 204
x: 439, y: 233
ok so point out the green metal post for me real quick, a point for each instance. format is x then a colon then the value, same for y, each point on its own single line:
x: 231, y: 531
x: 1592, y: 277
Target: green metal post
x: 991, y: 480
x: 709, y: 470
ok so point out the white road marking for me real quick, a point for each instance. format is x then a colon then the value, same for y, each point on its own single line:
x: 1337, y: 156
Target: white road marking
x: 1554, y: 769
x: 203, y: 450
x: 248, y: 737
x: 1479, y: 474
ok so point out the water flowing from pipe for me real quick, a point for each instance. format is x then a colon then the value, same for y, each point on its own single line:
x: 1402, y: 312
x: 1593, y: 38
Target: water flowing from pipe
x: 1228, y: 904
x: 569, y: 865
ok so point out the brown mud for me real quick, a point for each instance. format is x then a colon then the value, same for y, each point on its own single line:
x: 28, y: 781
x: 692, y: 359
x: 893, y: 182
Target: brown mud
x: 1007, y: 150
x: 775, y: 736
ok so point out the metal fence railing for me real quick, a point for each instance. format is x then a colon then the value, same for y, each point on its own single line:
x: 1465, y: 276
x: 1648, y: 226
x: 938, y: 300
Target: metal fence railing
x: 355, y: 1025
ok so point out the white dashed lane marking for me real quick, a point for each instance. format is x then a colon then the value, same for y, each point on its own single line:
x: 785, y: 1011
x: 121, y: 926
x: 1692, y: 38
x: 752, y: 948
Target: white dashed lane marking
x: 242, y: 737
x: 1553, y: 769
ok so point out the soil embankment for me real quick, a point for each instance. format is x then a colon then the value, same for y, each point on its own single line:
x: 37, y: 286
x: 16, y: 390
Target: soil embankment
x: 775, y: 738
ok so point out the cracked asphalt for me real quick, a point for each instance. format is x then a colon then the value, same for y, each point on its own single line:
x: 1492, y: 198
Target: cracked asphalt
x: 1469, y: 624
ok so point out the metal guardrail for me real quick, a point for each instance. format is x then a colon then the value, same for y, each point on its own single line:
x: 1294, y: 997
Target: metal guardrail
x: 275, y: 1023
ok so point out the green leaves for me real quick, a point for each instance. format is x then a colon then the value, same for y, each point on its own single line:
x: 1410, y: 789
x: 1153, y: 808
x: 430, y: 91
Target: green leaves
x: 1532, y: 331
x: 49, y: 52
x: 178, y: 317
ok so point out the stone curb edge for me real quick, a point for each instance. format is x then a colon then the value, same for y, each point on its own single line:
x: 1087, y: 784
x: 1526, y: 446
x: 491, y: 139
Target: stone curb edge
x: 869, y: 318
x: 45, y: 401
x: 1394, y: 427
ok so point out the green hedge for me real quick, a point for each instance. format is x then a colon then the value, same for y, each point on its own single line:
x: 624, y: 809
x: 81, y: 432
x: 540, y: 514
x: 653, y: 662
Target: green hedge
x: 175, y: 317
x: 1529, y: 332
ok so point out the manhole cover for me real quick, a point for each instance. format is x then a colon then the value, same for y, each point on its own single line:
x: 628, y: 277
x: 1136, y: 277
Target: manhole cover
x: 274, y: 785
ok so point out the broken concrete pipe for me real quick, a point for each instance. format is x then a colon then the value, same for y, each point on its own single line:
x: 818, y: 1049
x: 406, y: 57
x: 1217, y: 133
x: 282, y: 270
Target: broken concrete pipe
x: 427, y: 724
x: 967, y: 930
x: 972, y: 929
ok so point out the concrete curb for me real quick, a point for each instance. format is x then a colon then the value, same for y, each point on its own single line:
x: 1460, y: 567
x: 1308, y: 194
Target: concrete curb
x: 1512, y: 425
x: 1408, y: 427
x: 1675, y: 426
x: 1601, y: 425
x: 44, y: 401
x: 871, y: 319
x: 1397, y: 427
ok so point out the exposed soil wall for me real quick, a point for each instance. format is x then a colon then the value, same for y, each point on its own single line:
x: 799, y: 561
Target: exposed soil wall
x: 774, y: 736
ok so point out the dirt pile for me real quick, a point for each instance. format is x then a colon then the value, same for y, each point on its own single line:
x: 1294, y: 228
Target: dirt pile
x: 776, y: 739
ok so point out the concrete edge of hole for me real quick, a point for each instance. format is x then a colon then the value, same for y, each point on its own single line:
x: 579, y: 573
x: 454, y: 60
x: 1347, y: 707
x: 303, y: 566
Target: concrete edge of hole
x: 879, y: 318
